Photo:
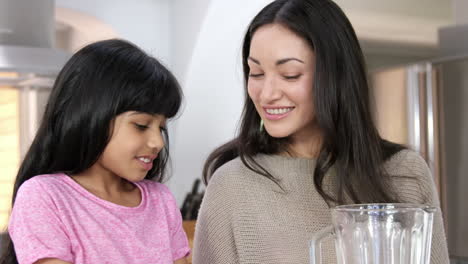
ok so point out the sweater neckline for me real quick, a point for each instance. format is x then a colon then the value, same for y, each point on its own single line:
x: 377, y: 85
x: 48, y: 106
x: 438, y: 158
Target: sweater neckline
x: 287, y: 164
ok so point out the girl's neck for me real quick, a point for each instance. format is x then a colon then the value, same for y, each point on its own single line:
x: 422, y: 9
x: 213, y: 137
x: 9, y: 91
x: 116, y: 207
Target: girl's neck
x: 109, y: 187
x: 102, y: 180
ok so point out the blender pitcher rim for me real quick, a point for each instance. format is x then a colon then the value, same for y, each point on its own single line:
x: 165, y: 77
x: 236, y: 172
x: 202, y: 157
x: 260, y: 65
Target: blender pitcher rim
x: 368, y: 207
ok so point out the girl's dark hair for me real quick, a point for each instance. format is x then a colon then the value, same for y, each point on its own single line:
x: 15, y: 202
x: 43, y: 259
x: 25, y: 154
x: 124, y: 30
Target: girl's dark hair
x: 351, y: 143
x: 99, y: 82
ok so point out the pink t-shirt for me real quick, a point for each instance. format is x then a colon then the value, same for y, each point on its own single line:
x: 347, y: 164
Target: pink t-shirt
x: 54, y: 217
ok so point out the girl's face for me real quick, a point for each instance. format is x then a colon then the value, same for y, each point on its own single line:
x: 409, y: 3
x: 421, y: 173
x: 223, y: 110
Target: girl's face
x: 135, y: 142
x: 280, y: 82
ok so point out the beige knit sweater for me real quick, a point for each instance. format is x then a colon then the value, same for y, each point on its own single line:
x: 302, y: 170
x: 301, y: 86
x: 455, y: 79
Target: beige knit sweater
x: 246, y: 218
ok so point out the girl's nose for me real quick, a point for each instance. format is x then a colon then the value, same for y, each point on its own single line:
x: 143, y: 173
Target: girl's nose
x: 156, y: 141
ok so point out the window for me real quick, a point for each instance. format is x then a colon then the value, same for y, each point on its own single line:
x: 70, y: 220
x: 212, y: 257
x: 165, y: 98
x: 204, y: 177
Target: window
x: 9, y: 148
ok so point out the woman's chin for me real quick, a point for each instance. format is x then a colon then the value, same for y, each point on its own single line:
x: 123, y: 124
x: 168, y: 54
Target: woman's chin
x: 278, y: 133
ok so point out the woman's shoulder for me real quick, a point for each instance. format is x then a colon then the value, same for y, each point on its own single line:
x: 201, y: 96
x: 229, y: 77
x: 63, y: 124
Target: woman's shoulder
x: 239, y: 181
x: 233, y: 178
x: 411, y: 178
x: 407, y: 163
x: 230, y: 171
x: 229, y: 186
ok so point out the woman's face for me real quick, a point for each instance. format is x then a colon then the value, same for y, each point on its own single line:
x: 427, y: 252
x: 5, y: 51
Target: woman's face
x: 280, y: 82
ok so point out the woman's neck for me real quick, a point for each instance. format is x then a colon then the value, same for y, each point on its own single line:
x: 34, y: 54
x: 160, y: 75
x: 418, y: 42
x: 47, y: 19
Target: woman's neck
x: 305, y: 145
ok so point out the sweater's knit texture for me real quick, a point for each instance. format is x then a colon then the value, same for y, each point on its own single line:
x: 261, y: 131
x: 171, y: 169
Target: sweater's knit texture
x: 247, y: 218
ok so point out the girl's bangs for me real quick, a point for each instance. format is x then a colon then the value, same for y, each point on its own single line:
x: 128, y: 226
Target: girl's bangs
x: 156, y: 96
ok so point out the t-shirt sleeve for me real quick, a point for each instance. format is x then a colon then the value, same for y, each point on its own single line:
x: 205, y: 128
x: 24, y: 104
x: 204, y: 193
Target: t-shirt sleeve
x: 35, y: 226
x: 179, y: 242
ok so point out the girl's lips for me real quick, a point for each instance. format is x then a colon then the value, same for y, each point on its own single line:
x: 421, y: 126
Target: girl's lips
x: 146, y: 161
x: 271, y: 116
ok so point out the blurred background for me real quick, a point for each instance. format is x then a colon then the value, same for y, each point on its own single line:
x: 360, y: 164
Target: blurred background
x: 414, y: 49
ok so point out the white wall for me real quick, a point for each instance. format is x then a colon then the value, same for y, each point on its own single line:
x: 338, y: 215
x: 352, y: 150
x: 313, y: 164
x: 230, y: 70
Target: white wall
x: 144, y: 22
x: 213, y: 89
x: 75, y: 29
x: 187, y: 18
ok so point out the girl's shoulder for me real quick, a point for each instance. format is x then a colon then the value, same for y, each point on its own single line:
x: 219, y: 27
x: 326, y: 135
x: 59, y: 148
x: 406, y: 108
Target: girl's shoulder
x: 159, y: 195
x: 42, y: 190
x: 43, y: 183
x: 153, y: 186
x: 156, y: 190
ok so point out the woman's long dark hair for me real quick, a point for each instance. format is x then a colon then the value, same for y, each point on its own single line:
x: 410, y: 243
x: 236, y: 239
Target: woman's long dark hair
x: 351, y: 143
x: 99, y: 82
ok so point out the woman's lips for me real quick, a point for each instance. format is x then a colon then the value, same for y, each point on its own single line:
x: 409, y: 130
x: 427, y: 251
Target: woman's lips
x: 276, y: 113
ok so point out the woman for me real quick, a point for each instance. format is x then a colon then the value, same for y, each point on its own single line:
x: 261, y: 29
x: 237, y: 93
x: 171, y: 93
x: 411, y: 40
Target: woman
x: 306, y: 142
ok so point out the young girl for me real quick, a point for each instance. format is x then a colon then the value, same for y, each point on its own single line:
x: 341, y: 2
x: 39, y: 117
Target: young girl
x: 88, y: 189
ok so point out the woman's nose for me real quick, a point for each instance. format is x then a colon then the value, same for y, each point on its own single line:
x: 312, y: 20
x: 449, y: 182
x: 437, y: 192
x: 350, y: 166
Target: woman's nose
x: 270, y: 90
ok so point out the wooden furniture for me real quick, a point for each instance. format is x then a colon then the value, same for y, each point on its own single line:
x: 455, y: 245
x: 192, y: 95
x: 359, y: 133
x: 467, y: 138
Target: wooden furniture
x: 189, y: 228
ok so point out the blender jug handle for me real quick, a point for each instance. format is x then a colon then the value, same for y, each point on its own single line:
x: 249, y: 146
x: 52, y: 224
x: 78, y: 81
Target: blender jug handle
x: 316, y: 242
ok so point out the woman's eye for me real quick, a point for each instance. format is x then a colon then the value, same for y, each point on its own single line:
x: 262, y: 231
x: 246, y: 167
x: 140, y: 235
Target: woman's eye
x: 292, y: 77
x: 163, y: 129
x: 255, y: 75
x: 141, y: 127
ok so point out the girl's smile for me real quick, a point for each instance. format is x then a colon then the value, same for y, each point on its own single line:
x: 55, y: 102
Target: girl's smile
x: 146, y: 161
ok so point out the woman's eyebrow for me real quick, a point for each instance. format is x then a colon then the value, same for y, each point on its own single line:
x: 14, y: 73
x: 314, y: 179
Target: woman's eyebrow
x: 278, y: 62
x: 283, y: 61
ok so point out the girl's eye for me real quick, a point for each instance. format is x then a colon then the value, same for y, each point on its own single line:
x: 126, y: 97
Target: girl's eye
x: 258, y: 75
x: 141, y: 127
x: 163, y: 129
x: 292, y: 77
